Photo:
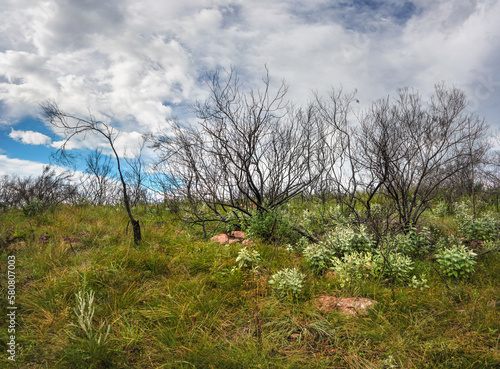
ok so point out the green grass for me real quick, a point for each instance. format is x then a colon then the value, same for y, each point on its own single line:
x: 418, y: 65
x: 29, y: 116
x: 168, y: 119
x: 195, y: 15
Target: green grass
x: 172, y: 302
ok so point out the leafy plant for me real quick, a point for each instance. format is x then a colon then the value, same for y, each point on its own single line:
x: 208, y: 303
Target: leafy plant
x: 441, y: 209
x: 484, y: 228
x: 396, y: 267
x: 288, y: 283
x: 34, y: 207
x: 248, y: 259
x: 353, y: 268
x: 319, y: 256
x: 411, y: 243
x: 418, y: 282
x: 456, y: 261
x: 271, y: 226
x: 344, y: 240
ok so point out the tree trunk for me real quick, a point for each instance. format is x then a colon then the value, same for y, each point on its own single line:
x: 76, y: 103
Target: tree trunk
x: 137, y: 231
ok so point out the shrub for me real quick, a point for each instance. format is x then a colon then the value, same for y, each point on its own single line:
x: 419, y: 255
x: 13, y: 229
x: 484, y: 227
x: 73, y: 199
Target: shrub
x: 441, y: 209
x: 484, y: 228
x: 456, y: 260
x: 34, y: 207
x: 288, y: 283
x: 411, y: 243
x: 319, y: 256
x: 233, y: 221
x: 344, y: 240
x: 353, y: 268
x: 248, y: 259
x: 312, y: 222
x: 271, y: 226
x: 418, y: 282
x: 396, y: 267
x: 302, y: 243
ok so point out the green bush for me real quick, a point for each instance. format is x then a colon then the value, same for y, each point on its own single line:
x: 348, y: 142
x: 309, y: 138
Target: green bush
x: 456, y: 260
x: 344, y: 240
x: 396, y: 267
x: 271, y: 226
x: 319, y: 256
x: 288, y: 283
x: 34, y: 207
x: 355, y: 267
x: 248, y: 259
x: 418, y: 282
x: 411, y: 243
x: 484, y: 228
x: 441, y: 209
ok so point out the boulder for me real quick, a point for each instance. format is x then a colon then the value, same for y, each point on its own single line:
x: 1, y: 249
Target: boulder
x: 349, y: 306
x: 231, y: 237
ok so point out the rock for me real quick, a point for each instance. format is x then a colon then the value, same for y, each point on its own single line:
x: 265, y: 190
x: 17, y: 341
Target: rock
x: 349, y: 306
x: 231, y: 237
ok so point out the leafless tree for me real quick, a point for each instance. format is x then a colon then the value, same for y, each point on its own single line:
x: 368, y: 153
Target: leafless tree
x: 249, y: 151
x: 49, y: 188
x: 399, y: 153
x: 73, y: 126
x: 411, y: 148
x: 98, y: 184
x: 136, y: 175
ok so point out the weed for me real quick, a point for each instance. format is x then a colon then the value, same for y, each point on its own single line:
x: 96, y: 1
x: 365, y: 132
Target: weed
x: 288, y: 283
x: 89, y: 345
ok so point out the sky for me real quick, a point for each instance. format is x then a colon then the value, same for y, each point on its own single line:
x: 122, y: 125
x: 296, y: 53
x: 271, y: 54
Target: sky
x: 136, y: 63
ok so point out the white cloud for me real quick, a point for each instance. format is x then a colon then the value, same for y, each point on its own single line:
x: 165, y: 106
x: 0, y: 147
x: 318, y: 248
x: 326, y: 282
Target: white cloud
x: 133, y: 61
x: 30, y: 137
x: 23, y: 168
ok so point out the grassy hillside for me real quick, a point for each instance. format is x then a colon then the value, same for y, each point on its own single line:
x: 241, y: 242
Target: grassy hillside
x: 178, y: 301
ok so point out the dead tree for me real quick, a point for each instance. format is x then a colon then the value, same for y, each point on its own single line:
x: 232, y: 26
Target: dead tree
x: 73, y: 126
x: 98, y: 184
x: 412, y: 147
x: 249, y: 150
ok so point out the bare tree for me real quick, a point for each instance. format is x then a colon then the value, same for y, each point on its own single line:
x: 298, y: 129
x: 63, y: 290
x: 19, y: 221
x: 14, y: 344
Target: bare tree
x: 250, y: 150
x: 412, y: 148
x: 136, y: 175
x: 98, y: 186
x: 399, y: 153
x: 73, y: 126
x: 50, y: 188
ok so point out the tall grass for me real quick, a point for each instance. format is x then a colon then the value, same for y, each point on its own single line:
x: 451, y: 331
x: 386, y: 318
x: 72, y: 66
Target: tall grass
x: 176, y: 301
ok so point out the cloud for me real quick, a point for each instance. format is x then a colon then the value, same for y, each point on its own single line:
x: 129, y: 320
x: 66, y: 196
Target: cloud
x: 138, y: 62
x: 23, y: 168
x: 30, y: 137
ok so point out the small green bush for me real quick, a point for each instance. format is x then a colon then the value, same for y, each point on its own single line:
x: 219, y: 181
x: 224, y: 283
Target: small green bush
x: 34, y: 207
x: 319, y: 256
x: 456, y: 260
x: 484, y: 228
x: 271, y: 226
x: 396, y: 267
x: 418, y: 282
x: 411, y: 243
x: 248, y: 259
x: 288, y: 283
x: 353, y: 268
x: 344, y: 240
x: 441, y: 209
